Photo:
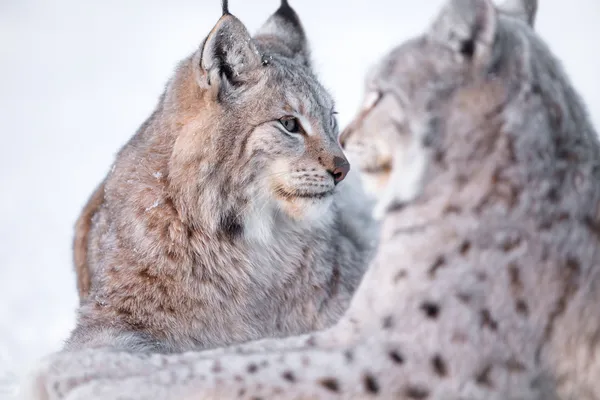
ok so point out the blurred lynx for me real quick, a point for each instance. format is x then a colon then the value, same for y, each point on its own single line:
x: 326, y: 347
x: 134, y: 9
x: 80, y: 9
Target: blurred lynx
x: 227, y: 217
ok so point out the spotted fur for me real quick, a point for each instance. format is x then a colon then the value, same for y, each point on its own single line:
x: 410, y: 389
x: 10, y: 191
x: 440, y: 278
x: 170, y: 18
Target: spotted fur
x: 486, y: 281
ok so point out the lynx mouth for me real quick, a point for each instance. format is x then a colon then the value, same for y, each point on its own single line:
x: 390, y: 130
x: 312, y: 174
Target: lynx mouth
x: 287, y: 194
x: 314, y: 195
x: 384, y: 168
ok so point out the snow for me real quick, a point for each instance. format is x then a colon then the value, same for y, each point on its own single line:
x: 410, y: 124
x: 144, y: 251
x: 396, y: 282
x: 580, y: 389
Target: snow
x: 78, y: 78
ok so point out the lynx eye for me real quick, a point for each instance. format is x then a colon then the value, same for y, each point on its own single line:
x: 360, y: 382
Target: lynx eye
x: 290, y: 124
x: 334, y: 119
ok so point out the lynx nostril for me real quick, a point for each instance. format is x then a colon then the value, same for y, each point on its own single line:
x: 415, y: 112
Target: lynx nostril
x: 340, y: 170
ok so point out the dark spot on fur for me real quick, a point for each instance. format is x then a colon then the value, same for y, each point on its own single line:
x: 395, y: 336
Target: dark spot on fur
x: 572, y: 265
x: 238, y: 378
x: 264, y: 363
x: 252, y: 368
x: 545, y: 225
x: 483, y: 377
x: 459, y: 337
x: 396, y: 357
x: 241, y: 392
x: 511, y: 243
x: 515, y: 277
x: 553, y: 195
x: 231, y: 226
x: 439, y: 365
x: 515, y: 365
x: 311, y: 341
x: 145, y: 274
x: 330, y: 384
x: 432, y: 310
x: 396, y: 206
x: 216, y: 368
x: 173, y: 256
x: 438, y: 156
x: 123, y: 311
x: 439, y: 262
x: 416, y: 392
x: 349, y: 356
x: 464, y: 248
x: 371, y: 384
x: 388, y: 322
x: 289, y: 376
x: 163, y: 288
x: 452, y: 209
x: 400, y: 275
x: 521, y: 307
x: 467, y: 48
x: 593, y: 226
x: 464, y: 298
x: 487, y: 320
x: 305, y: 361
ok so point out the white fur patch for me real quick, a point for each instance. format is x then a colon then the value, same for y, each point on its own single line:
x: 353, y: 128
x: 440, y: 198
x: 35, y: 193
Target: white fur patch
x: 258, y: 225
x: 406, y: 178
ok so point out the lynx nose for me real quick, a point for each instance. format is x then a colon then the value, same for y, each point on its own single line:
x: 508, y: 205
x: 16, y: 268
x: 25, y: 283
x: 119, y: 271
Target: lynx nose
x: 341, y: 166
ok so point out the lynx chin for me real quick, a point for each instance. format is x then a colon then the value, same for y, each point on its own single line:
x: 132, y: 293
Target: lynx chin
x: 231, y: 214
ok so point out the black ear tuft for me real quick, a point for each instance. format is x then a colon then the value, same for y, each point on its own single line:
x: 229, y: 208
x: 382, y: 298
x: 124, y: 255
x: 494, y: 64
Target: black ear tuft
x: 283, y: 34
x: 225, y: 7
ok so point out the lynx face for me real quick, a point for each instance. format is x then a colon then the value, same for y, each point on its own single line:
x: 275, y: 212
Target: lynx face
x: 424, y: 98
x: 293, y: 147
x: 387, y: 138
x: 258, y: 131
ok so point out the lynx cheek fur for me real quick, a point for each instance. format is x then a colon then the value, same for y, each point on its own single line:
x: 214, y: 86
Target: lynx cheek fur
x: 222, y: 219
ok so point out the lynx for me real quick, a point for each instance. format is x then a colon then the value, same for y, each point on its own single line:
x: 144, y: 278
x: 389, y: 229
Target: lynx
x: 486, y: 281
x: 227, y: 217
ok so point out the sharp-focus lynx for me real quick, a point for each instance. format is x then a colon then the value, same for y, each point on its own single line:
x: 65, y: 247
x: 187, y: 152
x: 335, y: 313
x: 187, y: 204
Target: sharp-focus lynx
x: 486, y: 283
x: 222, y: 219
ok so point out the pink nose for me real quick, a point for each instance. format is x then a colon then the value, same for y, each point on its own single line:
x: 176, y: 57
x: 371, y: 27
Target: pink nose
x: 341, y: 167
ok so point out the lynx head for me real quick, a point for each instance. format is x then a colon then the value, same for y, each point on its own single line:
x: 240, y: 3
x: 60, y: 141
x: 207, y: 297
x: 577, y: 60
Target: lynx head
x: 440, y: 102
x: 256, y: 131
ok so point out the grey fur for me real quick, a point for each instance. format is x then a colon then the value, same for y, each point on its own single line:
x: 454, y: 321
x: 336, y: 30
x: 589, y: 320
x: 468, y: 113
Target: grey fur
x: 486, y: 283
x: 523, y: 9
x: 283, y: 34
x: 216, y: 225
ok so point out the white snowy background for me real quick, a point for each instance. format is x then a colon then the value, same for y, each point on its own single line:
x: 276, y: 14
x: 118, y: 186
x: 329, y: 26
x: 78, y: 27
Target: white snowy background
x: 78, y: 77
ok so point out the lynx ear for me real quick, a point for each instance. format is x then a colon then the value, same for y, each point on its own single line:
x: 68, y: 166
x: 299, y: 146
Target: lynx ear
x: 227, y: 52
x: 525, y: 10
x: 283, y: 33
x: 468, y: 27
